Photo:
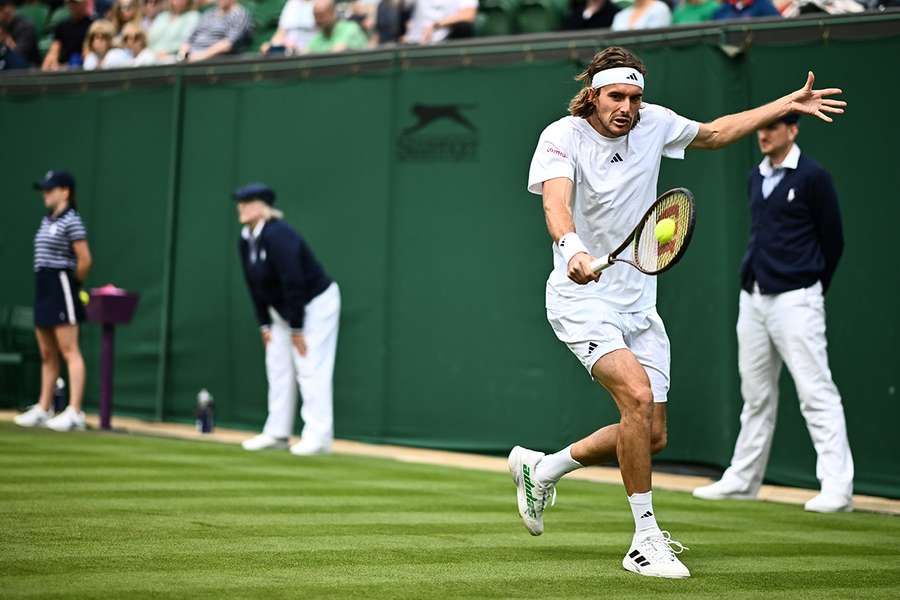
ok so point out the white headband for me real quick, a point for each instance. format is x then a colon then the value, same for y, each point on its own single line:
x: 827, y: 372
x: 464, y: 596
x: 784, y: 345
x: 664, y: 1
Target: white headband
x: 618, y: 75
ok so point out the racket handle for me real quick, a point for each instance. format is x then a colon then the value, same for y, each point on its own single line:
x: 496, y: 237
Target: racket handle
x: 601, y: 263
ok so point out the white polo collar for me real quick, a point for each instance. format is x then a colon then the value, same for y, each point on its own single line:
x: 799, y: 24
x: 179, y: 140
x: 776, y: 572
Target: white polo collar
x: 790, y: 162
x: 246, y: 233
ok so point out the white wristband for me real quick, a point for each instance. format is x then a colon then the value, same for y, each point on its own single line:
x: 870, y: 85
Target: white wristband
x: 570, y: 245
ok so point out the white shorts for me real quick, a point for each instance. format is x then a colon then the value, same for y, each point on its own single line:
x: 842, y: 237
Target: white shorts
x: 592, y: 330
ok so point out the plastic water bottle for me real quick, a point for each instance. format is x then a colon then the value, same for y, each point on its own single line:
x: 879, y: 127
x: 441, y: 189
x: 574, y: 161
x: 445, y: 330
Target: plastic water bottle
x: 204, y: 411
x: 59, y: 396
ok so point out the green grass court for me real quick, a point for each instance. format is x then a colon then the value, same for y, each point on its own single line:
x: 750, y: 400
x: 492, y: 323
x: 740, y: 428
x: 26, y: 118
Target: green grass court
x: 110, y: 515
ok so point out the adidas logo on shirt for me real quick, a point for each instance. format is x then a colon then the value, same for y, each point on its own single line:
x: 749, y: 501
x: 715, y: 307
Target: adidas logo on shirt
x: 616, y: 158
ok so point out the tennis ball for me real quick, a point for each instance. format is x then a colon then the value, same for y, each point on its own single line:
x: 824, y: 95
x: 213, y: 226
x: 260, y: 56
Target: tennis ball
x: 84, y: 296
x: 665, y: 229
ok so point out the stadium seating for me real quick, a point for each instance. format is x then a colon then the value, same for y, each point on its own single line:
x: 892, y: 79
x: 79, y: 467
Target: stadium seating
x: 508, y: 17
x: 56, y: 17
x: 37, y: 13
x: 265, y: 15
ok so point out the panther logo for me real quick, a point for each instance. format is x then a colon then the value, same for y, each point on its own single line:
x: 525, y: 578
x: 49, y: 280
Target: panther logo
x: 427, y: 114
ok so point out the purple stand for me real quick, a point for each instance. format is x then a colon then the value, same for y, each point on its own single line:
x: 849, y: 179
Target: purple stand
x: 109, y: 306
x: 107, y: 362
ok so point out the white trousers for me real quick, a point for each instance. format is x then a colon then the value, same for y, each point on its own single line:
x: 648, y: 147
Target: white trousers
x: 313, y: 373
x: 789, y: 328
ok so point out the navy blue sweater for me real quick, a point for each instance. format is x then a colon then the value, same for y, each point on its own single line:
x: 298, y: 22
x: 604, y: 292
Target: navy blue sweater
x: 796, y: 237
x: 285, y: 275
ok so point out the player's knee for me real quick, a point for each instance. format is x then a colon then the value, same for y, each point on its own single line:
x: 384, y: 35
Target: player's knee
x: 49, y: 355
x: 70, y: 352
x: 637, y: 403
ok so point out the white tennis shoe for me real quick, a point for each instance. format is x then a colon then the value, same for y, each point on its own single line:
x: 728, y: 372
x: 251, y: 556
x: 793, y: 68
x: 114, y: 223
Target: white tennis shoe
x: 655, y: 556
x: 310, y: 448
x: 722, y: 490
x: 264, y: 441
x: 829, y: 503
x: 532, y: 497
x: 34, y: 417
x: 68, y: 420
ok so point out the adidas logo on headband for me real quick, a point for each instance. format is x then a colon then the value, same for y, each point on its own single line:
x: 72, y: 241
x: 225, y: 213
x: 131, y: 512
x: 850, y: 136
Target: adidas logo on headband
x: 617, y: 75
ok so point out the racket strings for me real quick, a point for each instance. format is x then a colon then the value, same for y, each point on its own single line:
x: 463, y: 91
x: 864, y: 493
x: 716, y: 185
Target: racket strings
x: 649, y: 254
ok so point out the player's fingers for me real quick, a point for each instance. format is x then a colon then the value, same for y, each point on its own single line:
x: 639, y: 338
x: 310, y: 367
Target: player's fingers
x: 832, y: 109
x: 832, y: 102
x: 824, y: 117
x: 810, y: 78
x: 828, y: 92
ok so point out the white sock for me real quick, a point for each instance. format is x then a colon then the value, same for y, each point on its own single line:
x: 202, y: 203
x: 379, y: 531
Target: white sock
x: 644, y: 517
x: 553, y: 466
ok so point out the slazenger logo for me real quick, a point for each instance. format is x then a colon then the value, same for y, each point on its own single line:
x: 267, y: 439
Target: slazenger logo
x: 428, y: 138
x: 554, y: 150
x: 529, y: 498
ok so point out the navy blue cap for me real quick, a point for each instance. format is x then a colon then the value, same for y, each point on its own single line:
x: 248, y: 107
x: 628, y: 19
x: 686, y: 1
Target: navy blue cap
x: 789, y: 119
x: 56, y: 179
x: 255, y: 191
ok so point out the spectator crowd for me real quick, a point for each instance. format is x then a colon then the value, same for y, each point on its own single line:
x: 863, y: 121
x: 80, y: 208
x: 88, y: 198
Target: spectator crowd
x: 103, y: 34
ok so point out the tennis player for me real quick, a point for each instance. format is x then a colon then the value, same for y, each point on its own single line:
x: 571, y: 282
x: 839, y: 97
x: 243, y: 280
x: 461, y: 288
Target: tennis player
x: 597, y: 171
x: 62, y: 261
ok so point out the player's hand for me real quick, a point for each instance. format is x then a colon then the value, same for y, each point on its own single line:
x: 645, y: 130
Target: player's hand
x: 580, y: 270
x: 266, y: 336
x: 299, y: 343
x: 808, y: 101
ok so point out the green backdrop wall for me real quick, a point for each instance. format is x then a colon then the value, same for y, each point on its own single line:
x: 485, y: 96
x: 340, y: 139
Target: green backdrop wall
x: 440, y: 252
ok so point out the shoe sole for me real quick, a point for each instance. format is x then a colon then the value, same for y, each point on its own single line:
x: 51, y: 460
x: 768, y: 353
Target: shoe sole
x: 629, y: 565
x: 315, y: 453
x: 843, y: 509
x: 515, y: 468
x: 67, y: 430
x: 276, y: 447
x: 725, y: 497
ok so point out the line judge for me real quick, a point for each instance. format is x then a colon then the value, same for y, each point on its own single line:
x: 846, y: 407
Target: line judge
x: 298, y: 307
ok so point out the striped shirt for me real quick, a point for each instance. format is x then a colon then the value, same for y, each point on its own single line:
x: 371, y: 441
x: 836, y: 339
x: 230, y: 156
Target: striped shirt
x: 53, y: 242
x: 215, y: 26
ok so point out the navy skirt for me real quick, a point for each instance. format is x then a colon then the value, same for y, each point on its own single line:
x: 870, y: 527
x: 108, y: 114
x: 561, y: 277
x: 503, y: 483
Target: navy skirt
x: 56, y: 300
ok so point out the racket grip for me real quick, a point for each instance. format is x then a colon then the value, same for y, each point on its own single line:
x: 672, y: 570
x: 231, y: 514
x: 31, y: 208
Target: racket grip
x: 601, y: 263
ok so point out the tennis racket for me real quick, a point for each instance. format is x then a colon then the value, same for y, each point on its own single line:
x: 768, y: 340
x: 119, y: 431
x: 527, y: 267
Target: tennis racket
x: 648, y: 254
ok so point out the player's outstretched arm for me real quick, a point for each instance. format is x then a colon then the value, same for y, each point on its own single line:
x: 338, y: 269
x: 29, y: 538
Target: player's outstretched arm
x: 558, y: 214
x: 807, y: 101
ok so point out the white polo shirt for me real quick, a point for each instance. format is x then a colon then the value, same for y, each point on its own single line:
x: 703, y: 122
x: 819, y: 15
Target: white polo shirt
x: 615, y: 183
x: 772, y: 176
x: 429, y: 11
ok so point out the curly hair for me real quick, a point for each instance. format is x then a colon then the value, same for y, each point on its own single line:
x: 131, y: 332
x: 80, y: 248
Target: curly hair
x: 609, y: 58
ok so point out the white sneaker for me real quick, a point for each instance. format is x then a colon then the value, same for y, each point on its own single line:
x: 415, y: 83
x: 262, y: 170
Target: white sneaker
x: 264, y: 441
x: 310, y: 448
x: 67, y: 420
x: 532, y: 497
x: 722, y: 490
x: 34, y: 417
x: 829, y: 503
x: 654, y: 556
